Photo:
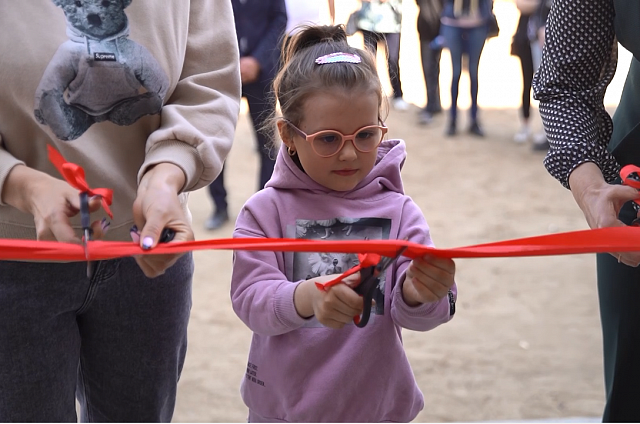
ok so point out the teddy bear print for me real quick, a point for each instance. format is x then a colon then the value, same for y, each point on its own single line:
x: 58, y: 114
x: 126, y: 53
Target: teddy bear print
x: 99, y: 74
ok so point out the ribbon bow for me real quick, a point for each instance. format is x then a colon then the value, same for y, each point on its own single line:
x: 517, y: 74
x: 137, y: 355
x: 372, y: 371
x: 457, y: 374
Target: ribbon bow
x: 74, y: 175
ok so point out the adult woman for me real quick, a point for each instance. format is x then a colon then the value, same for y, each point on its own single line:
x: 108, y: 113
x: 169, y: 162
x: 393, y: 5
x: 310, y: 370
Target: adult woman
x: 146, y: 100
x: 586, y: 151
x: 465, y: 28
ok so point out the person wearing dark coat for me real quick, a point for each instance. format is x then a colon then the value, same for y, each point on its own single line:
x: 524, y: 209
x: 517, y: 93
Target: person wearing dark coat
x: 428, y: 29
x: 260, y: 26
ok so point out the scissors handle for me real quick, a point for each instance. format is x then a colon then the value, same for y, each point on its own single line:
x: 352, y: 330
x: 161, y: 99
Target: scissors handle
x: 366, y: 288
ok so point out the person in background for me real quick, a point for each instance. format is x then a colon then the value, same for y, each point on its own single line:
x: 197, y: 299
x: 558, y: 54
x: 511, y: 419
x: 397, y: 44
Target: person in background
x: 145, y: 98
x: 587, y: 150
x: 464, y: 29
x: 260, y: 26
x: 428, y: 29
x: 381, y: 20
x: 536, y: 29
x: 521, y: 47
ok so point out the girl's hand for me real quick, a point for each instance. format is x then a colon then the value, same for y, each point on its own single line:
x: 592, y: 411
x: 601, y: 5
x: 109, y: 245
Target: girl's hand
x: 601, y: 202
x: 51, y: 202
x: 428, y: 279
x: 157, y: 207
x: 332, y: 308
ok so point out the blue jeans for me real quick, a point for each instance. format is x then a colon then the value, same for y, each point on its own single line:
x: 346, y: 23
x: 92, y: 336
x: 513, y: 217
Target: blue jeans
x: 469, y: 41
x: 117, y: 342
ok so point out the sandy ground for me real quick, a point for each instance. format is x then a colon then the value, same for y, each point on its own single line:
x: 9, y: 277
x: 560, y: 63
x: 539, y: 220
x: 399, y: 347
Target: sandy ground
x: 525, y: 343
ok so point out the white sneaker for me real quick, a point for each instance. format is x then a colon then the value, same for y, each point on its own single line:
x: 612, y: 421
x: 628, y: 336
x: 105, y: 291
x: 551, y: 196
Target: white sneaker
x: 400, y: 104
x: 522, y: 136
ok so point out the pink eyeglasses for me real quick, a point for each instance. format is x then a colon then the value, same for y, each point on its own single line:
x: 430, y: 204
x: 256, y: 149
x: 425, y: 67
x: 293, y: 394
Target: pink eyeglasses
x: 327, y: 143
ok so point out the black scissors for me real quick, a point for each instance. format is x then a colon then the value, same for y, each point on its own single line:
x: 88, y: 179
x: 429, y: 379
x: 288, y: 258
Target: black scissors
x: 85, y: 220
x: 369, y: 280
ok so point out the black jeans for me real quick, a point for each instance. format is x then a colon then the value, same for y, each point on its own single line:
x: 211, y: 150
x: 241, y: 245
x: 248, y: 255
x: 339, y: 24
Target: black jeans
x: 431, y: 70
x: 392, y: 42
x: 117, y: 342
x: 261, y: 108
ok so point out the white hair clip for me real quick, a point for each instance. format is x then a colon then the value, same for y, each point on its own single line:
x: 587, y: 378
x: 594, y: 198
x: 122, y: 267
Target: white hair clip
x: 338, y: 57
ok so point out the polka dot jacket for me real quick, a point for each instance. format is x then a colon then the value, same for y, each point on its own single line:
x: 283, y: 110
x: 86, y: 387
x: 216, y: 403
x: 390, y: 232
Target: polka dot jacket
x: 579, y: 61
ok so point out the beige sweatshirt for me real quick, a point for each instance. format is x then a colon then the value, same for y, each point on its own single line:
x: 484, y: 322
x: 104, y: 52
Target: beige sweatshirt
x: 116, y: 86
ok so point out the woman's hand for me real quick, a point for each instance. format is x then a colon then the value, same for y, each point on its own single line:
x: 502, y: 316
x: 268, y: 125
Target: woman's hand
x: 601, y: 202
x: 332, y: 308
x: 156, y: 207
x: 428, y: 279
x: 51, y: 202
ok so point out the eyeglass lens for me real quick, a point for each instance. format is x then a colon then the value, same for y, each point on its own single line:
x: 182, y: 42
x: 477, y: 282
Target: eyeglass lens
x: 328, y: 143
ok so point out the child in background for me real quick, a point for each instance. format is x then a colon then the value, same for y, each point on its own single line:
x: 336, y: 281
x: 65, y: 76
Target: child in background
x: 335, y: 178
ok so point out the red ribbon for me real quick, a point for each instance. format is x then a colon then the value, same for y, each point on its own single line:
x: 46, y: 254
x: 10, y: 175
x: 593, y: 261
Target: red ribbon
x: 601, y: 240
x: 365, y: 261
x: 74, y: 175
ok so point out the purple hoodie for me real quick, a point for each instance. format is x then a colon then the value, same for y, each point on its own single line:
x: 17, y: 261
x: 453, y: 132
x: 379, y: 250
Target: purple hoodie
x: 298, y: 370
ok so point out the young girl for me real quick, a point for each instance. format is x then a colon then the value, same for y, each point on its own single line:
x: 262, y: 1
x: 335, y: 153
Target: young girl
x: 335, y: 178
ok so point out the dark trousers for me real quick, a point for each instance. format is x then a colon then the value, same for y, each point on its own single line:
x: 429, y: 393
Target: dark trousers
x: 431, y: 70
x: 526, y: 63
x: 392, y: 42
x: 618, y: 292
x: 469, y: 41
x: 117, y: 342
x: 261, y: 108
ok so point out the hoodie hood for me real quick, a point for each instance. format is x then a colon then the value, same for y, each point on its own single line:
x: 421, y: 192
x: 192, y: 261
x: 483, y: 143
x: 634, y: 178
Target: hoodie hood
x: 385, y: 175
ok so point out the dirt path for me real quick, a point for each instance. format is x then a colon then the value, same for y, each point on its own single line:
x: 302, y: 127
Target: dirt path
x: 526, y: 341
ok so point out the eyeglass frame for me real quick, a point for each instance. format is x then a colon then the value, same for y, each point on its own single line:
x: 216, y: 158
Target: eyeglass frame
x: 309, y: 137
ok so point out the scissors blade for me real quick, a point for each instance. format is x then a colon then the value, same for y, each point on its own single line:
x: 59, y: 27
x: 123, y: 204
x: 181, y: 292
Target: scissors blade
x: 386, y: 261
x: 85, y: 219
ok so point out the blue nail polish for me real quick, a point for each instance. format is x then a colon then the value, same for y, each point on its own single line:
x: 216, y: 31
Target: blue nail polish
x: 147, y: 242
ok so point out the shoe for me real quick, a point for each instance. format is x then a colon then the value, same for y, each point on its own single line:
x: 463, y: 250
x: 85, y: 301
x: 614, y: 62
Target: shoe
x: 522, y: 135
x: 476, y: 130
x: 540, y: 142
x: 424, y: 117
x: 451, y: 129
x: 540, y: 147
x: 400, y: 104
x: 217, y: 220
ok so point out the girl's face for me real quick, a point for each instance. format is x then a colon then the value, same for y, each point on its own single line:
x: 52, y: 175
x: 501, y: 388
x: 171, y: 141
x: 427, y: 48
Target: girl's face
x: 343, y: 112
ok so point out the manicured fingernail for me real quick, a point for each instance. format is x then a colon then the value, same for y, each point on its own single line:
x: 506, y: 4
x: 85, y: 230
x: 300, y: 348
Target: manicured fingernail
x: 147, y: 242
x: 105, y: 224
x: 134, y: 229
x: 135, y: 237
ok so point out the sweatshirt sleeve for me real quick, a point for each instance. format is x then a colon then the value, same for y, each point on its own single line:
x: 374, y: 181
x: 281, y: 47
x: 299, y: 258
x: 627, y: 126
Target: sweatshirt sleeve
x: 426, y: 316
x: 261, y: 295
x: 7, y: 163
x: 198, y: 120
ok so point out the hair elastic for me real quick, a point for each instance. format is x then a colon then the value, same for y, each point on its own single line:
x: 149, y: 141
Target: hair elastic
x: 339, y: 57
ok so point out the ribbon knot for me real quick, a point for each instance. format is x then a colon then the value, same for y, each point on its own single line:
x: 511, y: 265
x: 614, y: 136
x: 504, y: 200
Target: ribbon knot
x: 74, y: 175
x: 366, y: 260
